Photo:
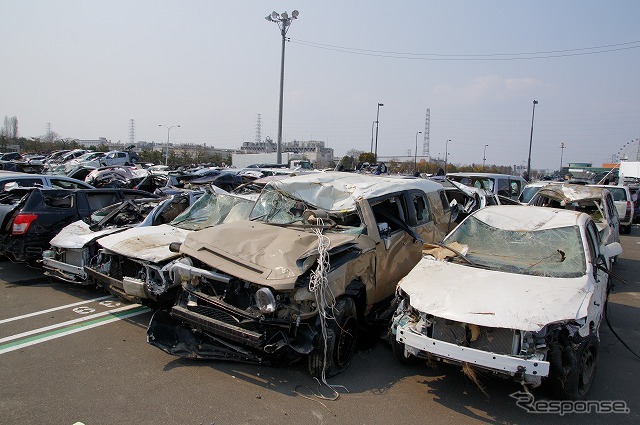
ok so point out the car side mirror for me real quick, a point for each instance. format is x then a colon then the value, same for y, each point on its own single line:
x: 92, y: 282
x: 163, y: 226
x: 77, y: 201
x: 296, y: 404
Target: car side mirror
x: 613, y: 249
x: 174, y: 247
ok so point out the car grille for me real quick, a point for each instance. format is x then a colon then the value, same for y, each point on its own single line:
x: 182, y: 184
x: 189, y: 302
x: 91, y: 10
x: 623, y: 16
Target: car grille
x: 73, y: 257
x: 493, y: 340
x: 225, y: 317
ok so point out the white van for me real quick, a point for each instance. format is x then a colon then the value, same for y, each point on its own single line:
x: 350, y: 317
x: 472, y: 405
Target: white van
x: 500, y: 184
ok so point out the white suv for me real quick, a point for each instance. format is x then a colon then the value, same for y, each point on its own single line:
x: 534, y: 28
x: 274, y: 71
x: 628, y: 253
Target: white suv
x: 624, y: 205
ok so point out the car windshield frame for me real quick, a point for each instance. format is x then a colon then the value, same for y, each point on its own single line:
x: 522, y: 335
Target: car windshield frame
x: 209, y: 210
x: 557, y: 252
x: 277, y: 207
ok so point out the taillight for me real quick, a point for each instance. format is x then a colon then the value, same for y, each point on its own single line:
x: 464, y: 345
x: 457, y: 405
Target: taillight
x: 21, y: 223
x: 628, y: 212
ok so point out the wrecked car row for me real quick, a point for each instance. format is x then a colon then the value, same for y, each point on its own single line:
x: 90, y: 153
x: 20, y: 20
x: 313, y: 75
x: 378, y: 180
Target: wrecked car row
x: 300, y: 270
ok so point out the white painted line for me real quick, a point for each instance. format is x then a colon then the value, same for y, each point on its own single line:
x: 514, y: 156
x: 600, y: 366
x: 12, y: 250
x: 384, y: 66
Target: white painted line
x: 67, y: 323
x: 24, y: 316
x: 71, y: 331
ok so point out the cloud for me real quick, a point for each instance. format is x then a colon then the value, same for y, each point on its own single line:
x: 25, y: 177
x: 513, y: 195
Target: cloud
x: 485, y: 88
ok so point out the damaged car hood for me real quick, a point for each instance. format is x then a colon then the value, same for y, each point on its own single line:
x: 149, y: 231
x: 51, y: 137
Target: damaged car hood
x: 258, y: 252
x: 78, y: 234
x: 145, y: 243
x: 493, y: 298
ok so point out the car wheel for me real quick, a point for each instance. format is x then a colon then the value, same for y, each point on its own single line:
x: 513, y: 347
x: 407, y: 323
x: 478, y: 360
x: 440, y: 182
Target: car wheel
x: 578, y: 376
x: 626, y: 229
x: 340, y: 343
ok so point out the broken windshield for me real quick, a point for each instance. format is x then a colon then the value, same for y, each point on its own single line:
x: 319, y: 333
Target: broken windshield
x: 212, y: 209
x: 554, y: 252
x: 277, y: 207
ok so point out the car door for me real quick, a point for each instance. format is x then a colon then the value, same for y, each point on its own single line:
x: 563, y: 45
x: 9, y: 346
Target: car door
x: 398, y: 251
x: 595, y: 310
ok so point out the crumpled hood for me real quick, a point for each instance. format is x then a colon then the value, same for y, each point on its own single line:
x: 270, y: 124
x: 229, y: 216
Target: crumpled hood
x: 258, y: 252
x: 494, y: 299
x: 78, y: 234
x: 145, y: 243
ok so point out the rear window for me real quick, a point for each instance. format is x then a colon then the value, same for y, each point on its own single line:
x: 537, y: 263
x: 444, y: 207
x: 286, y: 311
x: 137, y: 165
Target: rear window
x: 619, y: 194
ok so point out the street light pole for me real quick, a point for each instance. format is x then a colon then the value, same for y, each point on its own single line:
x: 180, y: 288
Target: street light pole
x: 375, y: 152
x: 415, y: 154
x: 284, y: 22
x: 372, y: 125
x: 446, y: 156
x: 484, y: 156
x: 533, y: 114
x: 562, y: 146
x: 166, y: 159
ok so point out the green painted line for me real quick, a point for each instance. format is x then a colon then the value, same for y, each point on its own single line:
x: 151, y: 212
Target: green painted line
x: 75, y: 327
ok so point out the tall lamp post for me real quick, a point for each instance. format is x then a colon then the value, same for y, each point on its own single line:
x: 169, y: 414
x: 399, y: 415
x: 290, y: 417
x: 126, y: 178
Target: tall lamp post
x: 562, y: 146
x: 166, y: 159
x: 372, y: 125
x: 284, y: 22
x: 533, y: 114
x: 446, y: 156
x: 375, y: 152
x: 484, y: 156
x: 415, y: 154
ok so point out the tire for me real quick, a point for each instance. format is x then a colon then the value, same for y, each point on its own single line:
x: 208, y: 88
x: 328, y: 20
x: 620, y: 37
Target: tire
x: 578, y: 375
x: 340, y: 343
x: 626, y: 229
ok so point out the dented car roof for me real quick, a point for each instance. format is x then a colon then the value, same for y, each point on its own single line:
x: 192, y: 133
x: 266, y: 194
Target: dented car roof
x: 339, y: 191
x: 571, y: 192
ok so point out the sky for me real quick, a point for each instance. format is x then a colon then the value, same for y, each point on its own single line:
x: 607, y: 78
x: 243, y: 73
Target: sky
x: 89, y: 67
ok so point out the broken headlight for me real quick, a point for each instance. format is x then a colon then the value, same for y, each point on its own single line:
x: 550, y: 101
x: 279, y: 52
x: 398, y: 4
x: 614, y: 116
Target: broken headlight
x: 265, y: 300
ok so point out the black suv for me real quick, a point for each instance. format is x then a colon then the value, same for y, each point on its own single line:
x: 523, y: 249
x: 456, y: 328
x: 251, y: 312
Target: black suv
x: 30, y: 217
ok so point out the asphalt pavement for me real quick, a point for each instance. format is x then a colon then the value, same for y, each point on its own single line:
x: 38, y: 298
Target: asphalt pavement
x: 73, y: 355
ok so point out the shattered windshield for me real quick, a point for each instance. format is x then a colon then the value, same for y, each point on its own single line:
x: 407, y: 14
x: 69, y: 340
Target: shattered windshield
x: 212, y: 209
x: 554, y: 252
x: 276, y: 207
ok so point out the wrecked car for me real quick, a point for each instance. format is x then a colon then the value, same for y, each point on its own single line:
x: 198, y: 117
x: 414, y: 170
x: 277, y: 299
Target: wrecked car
x: 514, y: 290
x: 595, y: 201
x: 75, y: 245
x: 319, y: 258
x: 31, y: 217
x: 135, y: 264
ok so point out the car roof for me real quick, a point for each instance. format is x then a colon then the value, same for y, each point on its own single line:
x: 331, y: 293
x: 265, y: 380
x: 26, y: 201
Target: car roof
x: 529, y: 218
x: 337, y: 191
x: 572, y: 192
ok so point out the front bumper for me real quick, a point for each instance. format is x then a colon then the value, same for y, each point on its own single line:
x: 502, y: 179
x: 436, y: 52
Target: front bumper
x: 416, y: 343
x: 64, y: 271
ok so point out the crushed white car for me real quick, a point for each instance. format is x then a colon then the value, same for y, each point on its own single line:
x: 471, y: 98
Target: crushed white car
x: 518, y: 291
x: 135, y: 264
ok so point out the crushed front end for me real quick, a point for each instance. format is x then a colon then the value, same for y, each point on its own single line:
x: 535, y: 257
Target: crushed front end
x: 218, y: 316
x: 520, y: 355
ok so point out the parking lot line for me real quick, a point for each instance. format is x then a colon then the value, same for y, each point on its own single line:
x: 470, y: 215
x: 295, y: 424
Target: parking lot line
x: 36, y: 313
x: 111, y: 316
x: 67, y: 323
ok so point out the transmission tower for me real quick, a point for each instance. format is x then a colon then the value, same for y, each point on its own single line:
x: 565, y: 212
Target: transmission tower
x: 258, y: 131
x: 49, y: 136
x: 132, y: 132
x: 425, y: 143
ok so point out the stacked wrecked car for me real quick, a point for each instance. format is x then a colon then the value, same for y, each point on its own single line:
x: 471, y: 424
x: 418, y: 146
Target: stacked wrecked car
x: 319, y: 258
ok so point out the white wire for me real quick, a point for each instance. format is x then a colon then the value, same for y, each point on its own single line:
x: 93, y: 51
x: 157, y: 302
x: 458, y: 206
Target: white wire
x: 325, y: 299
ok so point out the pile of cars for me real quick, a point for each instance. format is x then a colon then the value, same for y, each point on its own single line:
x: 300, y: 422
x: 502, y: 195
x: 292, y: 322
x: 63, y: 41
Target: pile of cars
x: 290, y: 268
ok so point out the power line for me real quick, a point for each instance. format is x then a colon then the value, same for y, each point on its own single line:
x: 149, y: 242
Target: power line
x: 475, y: 57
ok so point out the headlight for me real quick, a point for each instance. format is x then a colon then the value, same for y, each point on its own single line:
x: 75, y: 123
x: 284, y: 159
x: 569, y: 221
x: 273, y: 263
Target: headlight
x: 265, y: 300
